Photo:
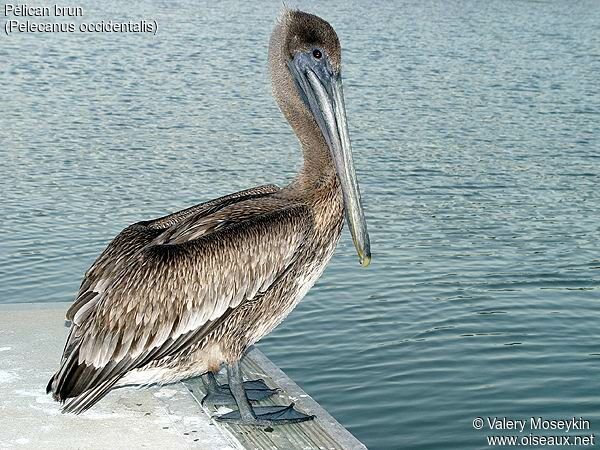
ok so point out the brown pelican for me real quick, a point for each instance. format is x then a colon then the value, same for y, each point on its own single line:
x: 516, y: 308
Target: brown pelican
x: 185, y: 294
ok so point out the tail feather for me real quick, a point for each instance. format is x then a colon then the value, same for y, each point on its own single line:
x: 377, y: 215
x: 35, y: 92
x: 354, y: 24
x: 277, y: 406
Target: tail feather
x: 89, y: 398
x: 49, y: 386
x: 79, y: 386
x: 56, y: 385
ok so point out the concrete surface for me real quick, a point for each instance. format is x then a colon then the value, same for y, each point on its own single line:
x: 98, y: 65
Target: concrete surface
x: 31, y: 341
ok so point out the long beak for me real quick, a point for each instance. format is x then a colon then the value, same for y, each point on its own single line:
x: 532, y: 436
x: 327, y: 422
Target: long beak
x: 325, y: 98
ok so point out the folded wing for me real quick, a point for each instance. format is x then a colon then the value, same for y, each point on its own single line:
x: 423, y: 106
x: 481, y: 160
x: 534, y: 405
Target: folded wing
x: 129, y: 241
x: 167, y: 296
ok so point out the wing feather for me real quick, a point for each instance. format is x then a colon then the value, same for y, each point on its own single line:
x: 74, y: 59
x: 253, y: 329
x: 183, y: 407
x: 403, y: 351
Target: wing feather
x: 129, y: 241
x: 167, y: 296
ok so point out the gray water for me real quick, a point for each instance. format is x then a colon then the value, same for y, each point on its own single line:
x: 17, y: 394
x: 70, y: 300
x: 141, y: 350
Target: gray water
x: 476, y: 129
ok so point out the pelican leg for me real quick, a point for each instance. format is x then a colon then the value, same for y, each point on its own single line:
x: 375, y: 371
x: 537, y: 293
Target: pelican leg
x: 258, y: 415
x: 220, y: 394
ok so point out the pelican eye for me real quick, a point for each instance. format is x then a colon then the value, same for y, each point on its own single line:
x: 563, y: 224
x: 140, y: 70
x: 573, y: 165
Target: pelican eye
x: 317, y: 53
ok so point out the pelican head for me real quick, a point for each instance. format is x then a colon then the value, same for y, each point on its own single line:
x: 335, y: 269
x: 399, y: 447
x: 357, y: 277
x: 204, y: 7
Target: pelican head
x: 305, y: 64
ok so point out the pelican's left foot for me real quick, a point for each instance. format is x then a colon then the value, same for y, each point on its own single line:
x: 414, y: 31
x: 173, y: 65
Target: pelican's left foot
x: 220, y: 394
x: 259, y: 415
x: 266, y: 415
x: 256, y: 390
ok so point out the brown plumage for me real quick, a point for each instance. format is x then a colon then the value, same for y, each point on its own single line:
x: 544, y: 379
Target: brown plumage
x: 183, y: 294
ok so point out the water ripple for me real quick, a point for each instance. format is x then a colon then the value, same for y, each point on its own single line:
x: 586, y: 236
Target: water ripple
x: 475, y: 128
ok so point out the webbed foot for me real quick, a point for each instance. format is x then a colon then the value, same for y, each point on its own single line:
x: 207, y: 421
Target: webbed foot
x: 258, y: 415
x: 267, y: 415
x: 220, y: 394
